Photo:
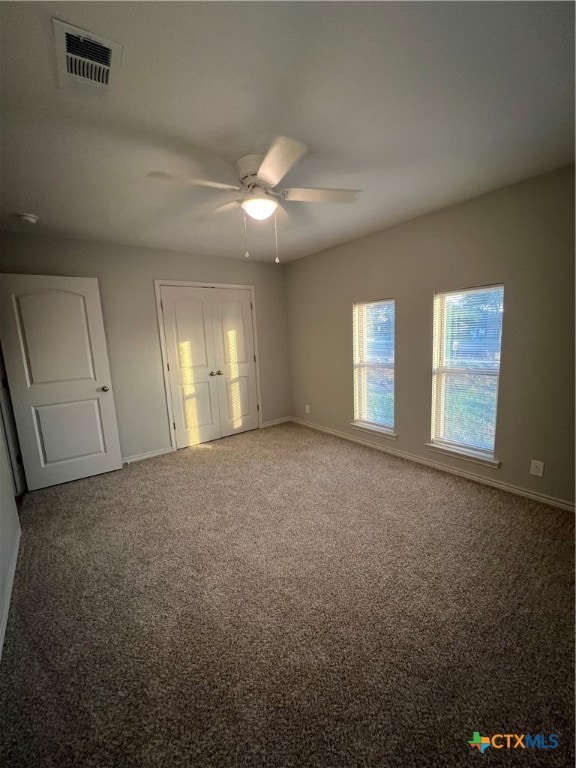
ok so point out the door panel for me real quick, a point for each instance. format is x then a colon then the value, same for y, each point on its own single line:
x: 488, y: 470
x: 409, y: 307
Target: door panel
x: 233, y: 332
x: 57, y: 366
x: 55, y: 440
x: 44, y: 320
x: 190, y: 347
x: 238, y: 397
x: 234, y: 346
x: 190, y: 324
x: 212, y: 373
x: 198, y: 405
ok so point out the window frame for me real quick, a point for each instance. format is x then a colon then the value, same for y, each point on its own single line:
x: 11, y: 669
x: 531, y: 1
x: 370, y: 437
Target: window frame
x: 358, y: 423
x: 439, y: 371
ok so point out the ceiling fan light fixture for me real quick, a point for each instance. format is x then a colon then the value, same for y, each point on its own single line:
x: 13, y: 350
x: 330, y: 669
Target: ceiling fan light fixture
x: 260, y: 207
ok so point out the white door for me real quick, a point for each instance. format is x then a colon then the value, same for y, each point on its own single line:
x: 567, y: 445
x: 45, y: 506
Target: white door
x: 234, y: 348
x: 56, y: 360
x: 192, y: 364
x: 212, y: 370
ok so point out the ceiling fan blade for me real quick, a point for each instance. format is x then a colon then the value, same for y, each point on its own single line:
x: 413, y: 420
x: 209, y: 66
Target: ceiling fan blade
x: 281, y: 157
x: 227, y: 207
x: 191, y: 180
x: 317, y: 195
x: 213, y: 184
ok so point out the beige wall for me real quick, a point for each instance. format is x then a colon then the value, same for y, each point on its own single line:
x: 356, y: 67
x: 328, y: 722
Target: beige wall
x: 126, y: 278
x: 521, y: 236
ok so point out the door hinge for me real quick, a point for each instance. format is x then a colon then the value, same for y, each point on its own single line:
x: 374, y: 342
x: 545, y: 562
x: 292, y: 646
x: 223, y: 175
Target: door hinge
x: 161, y: 305
x: 168, y: 366
x: 251, y: 306
x: 257, y: 407
x: 19, y: 460
x: 174, y: 424
x: 254, y: 358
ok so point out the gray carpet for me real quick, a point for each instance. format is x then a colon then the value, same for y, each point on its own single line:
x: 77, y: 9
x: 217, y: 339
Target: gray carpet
x: 285, y: 598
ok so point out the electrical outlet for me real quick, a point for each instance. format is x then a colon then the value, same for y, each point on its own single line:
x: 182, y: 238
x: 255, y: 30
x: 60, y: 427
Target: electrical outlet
x: 536, y: 468
x: 307, y: 408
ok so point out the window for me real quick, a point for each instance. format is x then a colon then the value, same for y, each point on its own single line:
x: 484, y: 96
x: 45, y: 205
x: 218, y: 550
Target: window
x: 374, y: 365
x: 466, y: 367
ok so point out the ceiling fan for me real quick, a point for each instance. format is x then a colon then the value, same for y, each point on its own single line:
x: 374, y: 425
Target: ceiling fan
x: 260, y: 176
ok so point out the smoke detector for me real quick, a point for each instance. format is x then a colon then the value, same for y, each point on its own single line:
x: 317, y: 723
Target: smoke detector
x: 85, y: 61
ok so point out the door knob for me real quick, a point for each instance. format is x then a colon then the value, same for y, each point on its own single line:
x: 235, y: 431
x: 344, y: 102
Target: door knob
x: 105, y: 388
x: 219, y: 373
x: 212, y: 373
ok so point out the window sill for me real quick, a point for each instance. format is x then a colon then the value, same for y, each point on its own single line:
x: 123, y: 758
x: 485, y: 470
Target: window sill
x: 364, y: 426
x: 476, y: 457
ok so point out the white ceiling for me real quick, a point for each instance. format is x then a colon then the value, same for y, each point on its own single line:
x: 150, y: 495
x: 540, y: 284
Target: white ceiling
x: 420, y: 105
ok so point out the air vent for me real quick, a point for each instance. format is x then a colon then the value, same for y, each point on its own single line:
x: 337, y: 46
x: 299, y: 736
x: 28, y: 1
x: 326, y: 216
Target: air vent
x: 85, y: 58
x: 85, y: 61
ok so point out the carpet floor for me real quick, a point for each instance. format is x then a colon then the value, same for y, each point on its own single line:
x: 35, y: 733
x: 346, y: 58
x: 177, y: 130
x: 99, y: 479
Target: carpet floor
x: 286, y: 599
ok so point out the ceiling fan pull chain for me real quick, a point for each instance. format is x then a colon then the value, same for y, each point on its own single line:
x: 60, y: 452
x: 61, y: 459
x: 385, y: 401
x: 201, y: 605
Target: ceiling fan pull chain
x: 246, y: 252
x: 277, y: 260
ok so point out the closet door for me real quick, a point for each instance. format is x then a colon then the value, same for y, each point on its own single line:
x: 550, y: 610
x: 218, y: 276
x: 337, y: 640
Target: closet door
x: 234, y: 348
x: 212, y: 371
x: 189, y: 337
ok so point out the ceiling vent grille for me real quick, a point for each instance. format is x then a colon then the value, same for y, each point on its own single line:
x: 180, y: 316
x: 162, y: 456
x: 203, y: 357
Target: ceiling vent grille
x: 86, y: 58
x: 85, y: 62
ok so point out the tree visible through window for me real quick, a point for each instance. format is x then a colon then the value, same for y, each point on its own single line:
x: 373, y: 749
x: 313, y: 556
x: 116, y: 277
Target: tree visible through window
x: 467, y: 336
x: 374, y: 363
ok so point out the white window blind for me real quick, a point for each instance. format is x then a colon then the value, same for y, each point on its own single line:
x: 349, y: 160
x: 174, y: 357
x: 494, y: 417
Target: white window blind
x: 374, y: 363
x: 466, y: 367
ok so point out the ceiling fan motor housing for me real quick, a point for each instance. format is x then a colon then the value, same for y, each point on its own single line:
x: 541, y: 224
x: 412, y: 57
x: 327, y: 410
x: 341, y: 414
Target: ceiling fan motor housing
x: 247, y: 168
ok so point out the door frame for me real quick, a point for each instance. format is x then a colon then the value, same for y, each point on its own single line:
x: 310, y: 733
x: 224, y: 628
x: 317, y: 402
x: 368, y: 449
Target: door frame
x: 158, y: 283
x: 8, y: 426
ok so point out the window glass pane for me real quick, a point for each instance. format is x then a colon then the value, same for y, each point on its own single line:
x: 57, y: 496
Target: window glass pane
x: 473, y: 329
x: 377, y: 385
x: 467, y: 336
x: 378, y: 320
x: 470, y: 410
x: 373, y: 326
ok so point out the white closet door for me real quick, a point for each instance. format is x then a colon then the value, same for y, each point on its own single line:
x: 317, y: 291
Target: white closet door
x: 57, y: 366
x: 234, y: 347
x: 187, y: 315
x: 212, y: 372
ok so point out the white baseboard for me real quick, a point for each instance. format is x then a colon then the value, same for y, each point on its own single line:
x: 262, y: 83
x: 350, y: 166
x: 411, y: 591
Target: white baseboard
x: 276, y: 421
x: 143, y: 456
x: 560, y: 503
x: 5, y: 607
